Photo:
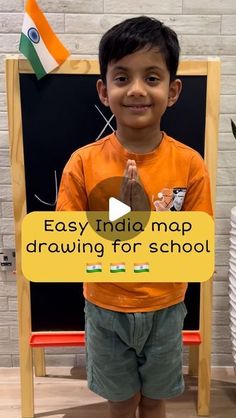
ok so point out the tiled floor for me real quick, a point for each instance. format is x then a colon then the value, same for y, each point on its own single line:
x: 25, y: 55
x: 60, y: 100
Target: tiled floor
x: 64, y: 394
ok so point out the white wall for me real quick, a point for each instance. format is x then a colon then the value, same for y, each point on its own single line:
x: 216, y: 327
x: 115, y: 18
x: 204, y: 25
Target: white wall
x: 205, y: 28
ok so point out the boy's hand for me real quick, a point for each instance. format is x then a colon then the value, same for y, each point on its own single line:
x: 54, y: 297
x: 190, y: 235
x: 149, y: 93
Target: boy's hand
x: 132, y: 192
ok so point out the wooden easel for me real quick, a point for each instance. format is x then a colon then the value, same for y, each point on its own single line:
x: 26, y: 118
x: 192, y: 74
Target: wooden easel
x: 199, y: 360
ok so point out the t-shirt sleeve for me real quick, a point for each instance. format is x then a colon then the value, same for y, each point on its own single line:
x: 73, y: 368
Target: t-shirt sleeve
x: 198, y: 195
x: 72, y: 192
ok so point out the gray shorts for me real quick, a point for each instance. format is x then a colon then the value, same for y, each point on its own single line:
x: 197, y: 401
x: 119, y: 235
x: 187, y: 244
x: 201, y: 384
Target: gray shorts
x: 134, y: 352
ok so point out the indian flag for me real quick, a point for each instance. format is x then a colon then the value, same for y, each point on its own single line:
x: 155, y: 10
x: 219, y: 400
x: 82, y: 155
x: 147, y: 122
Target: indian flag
x: 94, y: 268
x: 141, y: 268
x: 117, y: 268
x: 39, y: 43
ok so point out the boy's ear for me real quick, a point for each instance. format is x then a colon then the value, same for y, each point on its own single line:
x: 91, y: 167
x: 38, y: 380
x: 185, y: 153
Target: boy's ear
x: 102, y: 92
x: 174, y: 91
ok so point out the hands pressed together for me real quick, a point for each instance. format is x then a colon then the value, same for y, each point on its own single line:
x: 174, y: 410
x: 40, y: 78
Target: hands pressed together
x: 132, y: 192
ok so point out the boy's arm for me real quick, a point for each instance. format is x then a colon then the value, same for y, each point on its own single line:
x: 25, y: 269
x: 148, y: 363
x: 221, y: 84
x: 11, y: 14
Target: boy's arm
x: 72, y: 192
x: 198, y: 195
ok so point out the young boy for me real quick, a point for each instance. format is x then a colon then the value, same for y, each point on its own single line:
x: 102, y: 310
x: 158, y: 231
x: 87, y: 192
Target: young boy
x: 133, y: 330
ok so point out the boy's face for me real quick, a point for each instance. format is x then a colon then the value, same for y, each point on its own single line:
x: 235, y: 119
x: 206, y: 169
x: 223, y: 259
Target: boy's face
x: 138, y: 89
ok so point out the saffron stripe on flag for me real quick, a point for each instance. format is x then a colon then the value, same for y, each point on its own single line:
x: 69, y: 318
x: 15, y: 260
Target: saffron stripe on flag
x: 47, y: 60
x: 54, y: 45
x: 28, y: 50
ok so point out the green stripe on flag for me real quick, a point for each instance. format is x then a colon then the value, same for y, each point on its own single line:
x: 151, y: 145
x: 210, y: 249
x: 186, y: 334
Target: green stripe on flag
x: 28, y: 50
x: 117, y: 270
x: 141, y: 271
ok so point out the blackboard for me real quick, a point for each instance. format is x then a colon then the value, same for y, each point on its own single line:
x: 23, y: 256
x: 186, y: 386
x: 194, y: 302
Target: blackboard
x: 61, y: 113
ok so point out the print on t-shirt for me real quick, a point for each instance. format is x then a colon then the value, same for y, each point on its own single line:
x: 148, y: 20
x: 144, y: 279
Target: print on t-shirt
x: 169, y: 199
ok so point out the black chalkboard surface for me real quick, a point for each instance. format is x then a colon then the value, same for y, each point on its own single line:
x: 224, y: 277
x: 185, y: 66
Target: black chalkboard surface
x: 60, y: 114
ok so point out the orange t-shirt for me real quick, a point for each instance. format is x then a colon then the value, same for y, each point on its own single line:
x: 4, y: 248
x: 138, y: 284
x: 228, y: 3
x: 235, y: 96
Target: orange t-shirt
x: 174, y: 177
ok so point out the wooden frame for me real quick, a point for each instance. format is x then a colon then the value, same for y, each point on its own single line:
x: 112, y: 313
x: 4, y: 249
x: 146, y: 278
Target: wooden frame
x: 199, y: 360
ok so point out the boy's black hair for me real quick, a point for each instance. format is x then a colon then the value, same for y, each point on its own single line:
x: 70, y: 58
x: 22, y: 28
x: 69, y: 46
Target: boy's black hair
x: 137, y: 33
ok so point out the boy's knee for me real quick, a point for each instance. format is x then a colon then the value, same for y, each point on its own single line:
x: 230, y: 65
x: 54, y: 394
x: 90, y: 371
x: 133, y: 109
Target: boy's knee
x: 149, y: 403
x: 124, y: 407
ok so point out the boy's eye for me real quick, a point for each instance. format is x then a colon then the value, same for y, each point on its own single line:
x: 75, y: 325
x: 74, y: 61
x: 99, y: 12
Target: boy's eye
x: 121, y: 79
x: 152, y: 79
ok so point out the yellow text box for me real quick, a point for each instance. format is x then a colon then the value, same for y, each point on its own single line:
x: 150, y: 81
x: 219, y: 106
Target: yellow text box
x: 63, y: 247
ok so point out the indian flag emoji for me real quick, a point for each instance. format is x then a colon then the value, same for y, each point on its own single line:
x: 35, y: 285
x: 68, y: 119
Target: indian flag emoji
x: 94, y: 268
x: 117, y: 267
x: 39, y: 43
x: 141, y: 268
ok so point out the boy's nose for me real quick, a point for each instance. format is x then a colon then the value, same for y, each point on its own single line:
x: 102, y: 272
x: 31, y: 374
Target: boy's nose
x: 137, y: 88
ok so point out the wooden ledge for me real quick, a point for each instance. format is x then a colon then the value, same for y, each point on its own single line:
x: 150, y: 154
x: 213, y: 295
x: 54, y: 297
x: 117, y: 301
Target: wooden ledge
x: 66, y: 339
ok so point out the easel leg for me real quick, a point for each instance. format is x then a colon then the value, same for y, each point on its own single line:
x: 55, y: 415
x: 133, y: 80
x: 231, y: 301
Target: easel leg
x: 204, y: 380
x: 19, y: 193
x: 193, y: 360
x: 26, y: 355
x: 27, y: 384
x: 39, y: 362
x: 204, y: 373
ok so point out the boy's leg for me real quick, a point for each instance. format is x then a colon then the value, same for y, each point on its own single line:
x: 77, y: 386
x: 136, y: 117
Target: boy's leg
x: 160, y: 366
x: 112, y: 369
x: 124, y: 409
x: 151, y: 408
x: 148, y: 408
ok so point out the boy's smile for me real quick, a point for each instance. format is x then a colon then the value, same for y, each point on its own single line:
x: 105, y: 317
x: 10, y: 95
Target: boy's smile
x: 138, y: 108
x: 138, y: 91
